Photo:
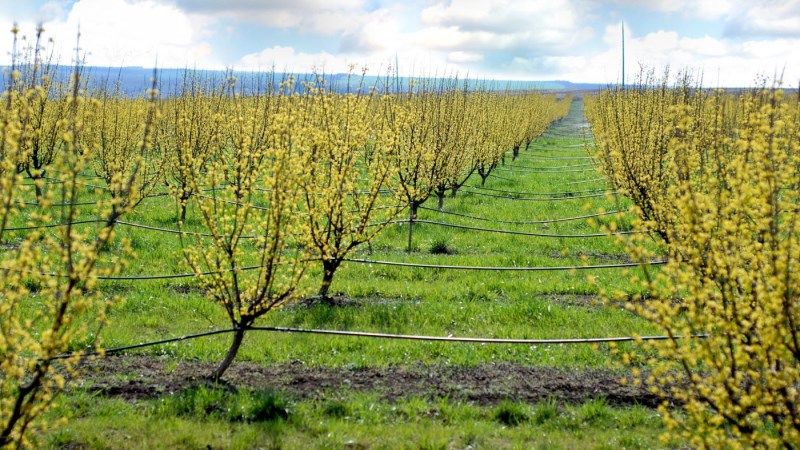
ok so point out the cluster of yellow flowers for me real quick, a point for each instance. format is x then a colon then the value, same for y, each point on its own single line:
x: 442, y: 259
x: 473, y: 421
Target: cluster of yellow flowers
x: 717, y: 176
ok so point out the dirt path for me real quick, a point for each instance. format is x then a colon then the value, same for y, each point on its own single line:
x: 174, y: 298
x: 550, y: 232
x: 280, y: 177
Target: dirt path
x: 140, y: 377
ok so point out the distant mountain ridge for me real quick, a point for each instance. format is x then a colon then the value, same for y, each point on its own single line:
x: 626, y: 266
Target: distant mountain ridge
x: 132, y: 81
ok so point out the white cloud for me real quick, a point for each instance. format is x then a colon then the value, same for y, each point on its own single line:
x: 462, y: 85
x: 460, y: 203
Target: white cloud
x: 704, y: 9
x: 504, y: 25
x: 286, y: 58
x: 464, y: 57
x: 767, y: 18
x: 318, y: 16
x: 718, y: 60
x: 485, y: 38
x: 741, y: 18
x: 449, y: 36
x: 132, y: 33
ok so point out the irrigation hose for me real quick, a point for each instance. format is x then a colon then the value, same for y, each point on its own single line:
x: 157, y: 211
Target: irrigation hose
x: 537, y: 199
x: 520, y: 222
x: 376, y: 335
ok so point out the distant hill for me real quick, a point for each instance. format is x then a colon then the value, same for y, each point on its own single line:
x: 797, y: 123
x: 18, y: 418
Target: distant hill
x: 134, y: 81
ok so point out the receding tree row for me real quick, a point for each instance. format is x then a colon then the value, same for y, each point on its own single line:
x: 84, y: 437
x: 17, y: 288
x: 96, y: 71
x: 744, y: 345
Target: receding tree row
x: 279, y: 175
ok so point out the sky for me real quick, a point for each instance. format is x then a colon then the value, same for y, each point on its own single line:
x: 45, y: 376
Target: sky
x: 727, y: 42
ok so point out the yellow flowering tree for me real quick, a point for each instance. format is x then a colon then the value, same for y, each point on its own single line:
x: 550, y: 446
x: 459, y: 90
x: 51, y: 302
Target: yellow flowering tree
x: 126, y: 131
x: 49, y: 298
x: 733, y: 245
x: 45, y: 105
x: 346, y: 173
x: 191, y: 129
x: 253, y: 260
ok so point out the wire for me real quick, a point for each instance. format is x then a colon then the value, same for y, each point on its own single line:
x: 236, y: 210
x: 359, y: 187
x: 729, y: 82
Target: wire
x: 194, y: 233
x: 521, y: 222
x: 354, y: 260
x: 537, y: 199
x: 376, y: 335
x: 502, y: 268
x: 520, y: 233
x: 555, y: 147
x: 95, y: 202
x: 62, y: 204
x: 501, y: 178
x: 113, y: 350
x: 145, y: 277
x: 53, y: 225
x: 546, y: 171
x: 120, y: 222
x: 586, y: 181
x: 173, y: 231
x: 473, y: 340
x: 563, y: 194
x: 548, y: 168
x: 533, y: 156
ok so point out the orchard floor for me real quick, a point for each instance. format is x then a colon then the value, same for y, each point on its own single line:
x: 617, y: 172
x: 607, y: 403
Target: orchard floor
x: 310, y: 391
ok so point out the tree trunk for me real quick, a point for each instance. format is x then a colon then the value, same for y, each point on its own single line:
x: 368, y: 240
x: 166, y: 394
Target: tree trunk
x: 182, y: 215
x: 328, y: 269
x: 184, y: 205
x: 22, y: 398
x: 238, y: 336
x: 38, y: 190
x: 440, y: 197
x: 412, y: 216
x: 483, y: 178
x: 37, y: 175
x: 515, y: 152
x: 454, y: 191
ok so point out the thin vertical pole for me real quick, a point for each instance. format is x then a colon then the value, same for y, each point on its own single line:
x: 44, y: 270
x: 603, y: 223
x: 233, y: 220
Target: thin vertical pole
x: 623, y: 55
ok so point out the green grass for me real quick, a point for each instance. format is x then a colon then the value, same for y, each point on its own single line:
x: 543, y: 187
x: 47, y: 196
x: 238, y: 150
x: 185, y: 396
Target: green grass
x: 394, y: 300
x: 213, y: 419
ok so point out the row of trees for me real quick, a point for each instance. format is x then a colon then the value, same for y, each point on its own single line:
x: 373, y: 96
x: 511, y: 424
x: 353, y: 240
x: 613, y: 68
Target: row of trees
x: 279, y: 175
x: 311, y: 175
x: 717, y: 176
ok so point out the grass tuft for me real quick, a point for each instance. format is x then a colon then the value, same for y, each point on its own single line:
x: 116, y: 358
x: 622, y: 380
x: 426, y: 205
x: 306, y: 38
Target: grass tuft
x: 545, y: 412
x: 232, y: 405
x: 441, y: 247
x: 510, y: 413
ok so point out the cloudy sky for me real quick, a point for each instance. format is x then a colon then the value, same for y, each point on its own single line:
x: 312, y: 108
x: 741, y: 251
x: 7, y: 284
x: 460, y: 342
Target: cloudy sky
x: 730, y: 42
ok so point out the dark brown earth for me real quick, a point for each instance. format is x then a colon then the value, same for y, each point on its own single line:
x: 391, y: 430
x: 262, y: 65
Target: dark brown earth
x: 141, y: 377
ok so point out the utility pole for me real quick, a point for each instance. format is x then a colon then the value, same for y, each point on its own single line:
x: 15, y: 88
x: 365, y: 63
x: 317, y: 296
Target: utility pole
x: 623, y: 55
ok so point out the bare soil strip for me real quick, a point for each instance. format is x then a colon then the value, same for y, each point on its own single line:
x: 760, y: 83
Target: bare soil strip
x: 143, y: 377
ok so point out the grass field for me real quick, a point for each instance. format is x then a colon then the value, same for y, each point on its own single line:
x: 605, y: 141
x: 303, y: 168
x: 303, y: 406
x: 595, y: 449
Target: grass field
x: 296, y: 391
